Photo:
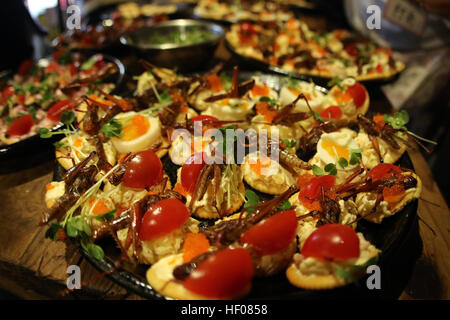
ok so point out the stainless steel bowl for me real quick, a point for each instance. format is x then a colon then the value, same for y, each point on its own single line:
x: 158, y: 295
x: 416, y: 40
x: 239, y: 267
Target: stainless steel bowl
x: 185, y: 57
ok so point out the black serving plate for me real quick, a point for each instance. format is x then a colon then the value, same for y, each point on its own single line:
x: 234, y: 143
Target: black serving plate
x: 33, y: 150
x: 389, y: 236
x: 266, y: 67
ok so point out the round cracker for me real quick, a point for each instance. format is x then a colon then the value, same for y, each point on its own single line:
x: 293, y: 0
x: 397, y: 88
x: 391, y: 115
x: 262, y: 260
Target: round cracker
x: 378, y: 217
x: 206, y: 213
x: 170, y: 287
x: 314, y: 282
x: 317, y: 282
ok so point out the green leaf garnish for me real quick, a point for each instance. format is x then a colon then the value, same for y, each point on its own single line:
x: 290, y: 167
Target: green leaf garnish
x: 59, y: 144
x: 106, y: 216
x: 45, y: 133
x: 88, y: 64
x: 317, y: 170
x: 331, y: 169
x: 336, y: 81
x: 165, y: 97
x: 289, y: 143
x: 398, y: 120
x: 113, y: 128
x: 270, y: 101
x: 52, y: 231
x: 67, y: 117
x: 92, y: 249
x: 286, y: 205
x: 343, y: 163
x: 251, y: 200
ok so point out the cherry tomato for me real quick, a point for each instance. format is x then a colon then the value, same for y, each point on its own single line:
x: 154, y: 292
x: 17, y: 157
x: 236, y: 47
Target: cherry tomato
x: 204, y: 119
x: 358, y: 93
x: 224, y: 275
x: 383, y: 170
x: 332, y: 241
x: 246, y: 28
x: 25, y: 67
x: 352, y: 50
x: 313, y: 189
x: 7, y: 92
x: 191, y: 169
x: 272, y: 234
x: 162, y: 218
x: 332, y: 112
x: 143, y: 171
x: 20, y: 126
x: 55, y: 111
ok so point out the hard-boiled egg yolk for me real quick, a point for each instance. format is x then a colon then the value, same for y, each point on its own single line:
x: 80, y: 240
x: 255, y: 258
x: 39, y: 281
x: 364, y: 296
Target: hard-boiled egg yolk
x: 139, y: 126
x: 259, y: 165
x: 335, y: 150
x: 139, y: 133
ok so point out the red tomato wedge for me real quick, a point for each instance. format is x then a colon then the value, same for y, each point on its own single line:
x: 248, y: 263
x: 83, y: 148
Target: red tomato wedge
x: 20, y: 126
x: 272, y: 234
x: 204, y: 119
x: 383, y: 170
x: 25, y: 67
x: 191, y: 169
x: 162, y: 218
x: 358, y: 93
x: 55, y: 111
x: 7, y: 92
x: 226, y: 274
x: 143, y: 171
x: 313, y: 189
x: 332, y: 112
x: 352, y: 50
x: 332, y: 241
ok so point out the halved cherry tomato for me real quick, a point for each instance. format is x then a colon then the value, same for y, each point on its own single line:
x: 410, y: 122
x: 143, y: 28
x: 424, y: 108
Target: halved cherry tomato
x: 162, y: 218
x: 352, y: 50
x: 272, y: 234
x: 55, y: 111
x: 7, y: 92
x: 332, y: 112
x: 204, y: 118
x: 20, y: 126
x: 332, y: 241
x: 383, y: 170
x: 358, y: 92
x: 313, y: 189
x: 226, y: 274
x: 191, y: 169
x: 143, y: 171
x: 25, y: 67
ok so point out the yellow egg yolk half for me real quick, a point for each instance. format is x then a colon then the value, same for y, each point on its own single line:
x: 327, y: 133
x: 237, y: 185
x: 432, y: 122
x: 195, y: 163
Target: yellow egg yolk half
x: 139, y: 125
x: 335, y: 150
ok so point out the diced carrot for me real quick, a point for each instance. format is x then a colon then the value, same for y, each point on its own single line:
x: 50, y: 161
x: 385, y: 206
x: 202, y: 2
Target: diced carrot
x: 98, y: 206
x: 379, y: 120
x: 49, y: 187
x: 194, y: 245
x: 179, y: 188
x: 263, y: 109
x: 393, y: 194
x: 259, y: 165
x: 260, y: 90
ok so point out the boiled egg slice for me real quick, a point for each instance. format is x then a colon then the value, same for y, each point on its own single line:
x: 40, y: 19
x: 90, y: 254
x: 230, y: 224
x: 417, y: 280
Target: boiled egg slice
x: 140, y: 132
x: 315, y: 98
x: 230, y: 109
x: 335, y: 145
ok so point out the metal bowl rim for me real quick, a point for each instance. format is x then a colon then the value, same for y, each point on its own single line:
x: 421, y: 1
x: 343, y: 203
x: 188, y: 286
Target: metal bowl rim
x: 126, y: 39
